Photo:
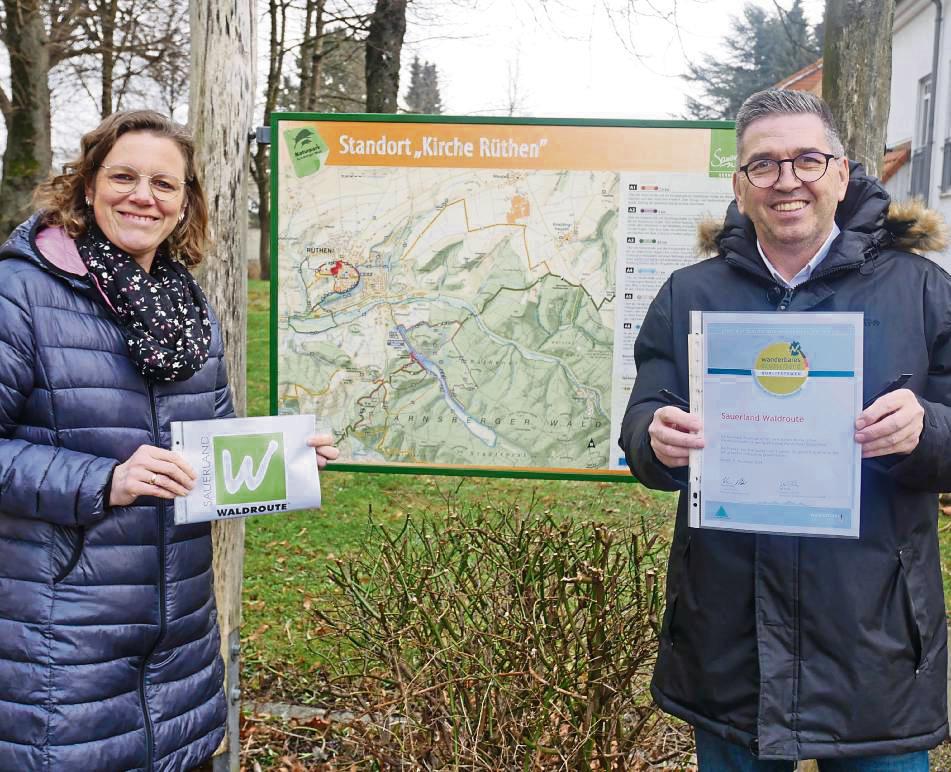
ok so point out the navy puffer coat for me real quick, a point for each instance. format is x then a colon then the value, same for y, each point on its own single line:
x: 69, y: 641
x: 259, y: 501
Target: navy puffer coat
x: 109, y: 649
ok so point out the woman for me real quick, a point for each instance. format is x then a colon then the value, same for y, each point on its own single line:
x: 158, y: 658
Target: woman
x: 108, y: 643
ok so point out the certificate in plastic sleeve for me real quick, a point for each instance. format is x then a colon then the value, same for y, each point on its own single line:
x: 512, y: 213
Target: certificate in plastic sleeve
x: 779, y: 395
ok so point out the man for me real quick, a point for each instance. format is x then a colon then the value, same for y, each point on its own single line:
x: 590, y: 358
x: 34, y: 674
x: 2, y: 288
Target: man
x: 775, y: 647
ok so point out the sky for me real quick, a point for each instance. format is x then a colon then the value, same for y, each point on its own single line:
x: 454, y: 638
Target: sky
x: 574, y: 60
x: 552, y: 58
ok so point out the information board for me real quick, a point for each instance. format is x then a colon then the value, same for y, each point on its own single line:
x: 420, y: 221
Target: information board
x: 462, y: 295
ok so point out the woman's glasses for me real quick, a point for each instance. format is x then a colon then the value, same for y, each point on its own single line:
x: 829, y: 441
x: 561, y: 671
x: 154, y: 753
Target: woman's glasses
x: 123, y: 179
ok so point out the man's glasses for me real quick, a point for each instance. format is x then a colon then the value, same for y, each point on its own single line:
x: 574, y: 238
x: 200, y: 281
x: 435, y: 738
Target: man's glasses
x: 123, y: 179
x: 808, y: 167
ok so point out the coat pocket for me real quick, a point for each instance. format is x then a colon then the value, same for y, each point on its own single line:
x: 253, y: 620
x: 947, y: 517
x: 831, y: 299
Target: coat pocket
x: 77, y: 540
x: 916, y: 592
x: 678, y: 570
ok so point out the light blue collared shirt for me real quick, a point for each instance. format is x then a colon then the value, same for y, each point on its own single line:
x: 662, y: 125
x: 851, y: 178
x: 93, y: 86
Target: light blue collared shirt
x: 809, y: 267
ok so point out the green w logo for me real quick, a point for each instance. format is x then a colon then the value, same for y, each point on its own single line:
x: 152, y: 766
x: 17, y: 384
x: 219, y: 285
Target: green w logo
x: 249, y: 468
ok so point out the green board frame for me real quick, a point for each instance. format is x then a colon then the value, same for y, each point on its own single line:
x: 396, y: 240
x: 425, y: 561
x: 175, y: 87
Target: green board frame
x: 445, y: 470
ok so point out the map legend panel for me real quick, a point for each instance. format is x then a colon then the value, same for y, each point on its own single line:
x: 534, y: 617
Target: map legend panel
x: 659, y: 235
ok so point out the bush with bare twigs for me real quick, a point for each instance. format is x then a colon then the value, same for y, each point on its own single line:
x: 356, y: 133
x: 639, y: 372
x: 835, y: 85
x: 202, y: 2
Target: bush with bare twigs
x: 504, y: 640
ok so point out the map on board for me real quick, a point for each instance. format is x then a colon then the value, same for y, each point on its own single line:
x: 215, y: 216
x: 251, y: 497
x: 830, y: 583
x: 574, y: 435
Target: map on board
x: 435, y: 314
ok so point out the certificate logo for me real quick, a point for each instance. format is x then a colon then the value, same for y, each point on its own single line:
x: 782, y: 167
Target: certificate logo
x: 781, y: 369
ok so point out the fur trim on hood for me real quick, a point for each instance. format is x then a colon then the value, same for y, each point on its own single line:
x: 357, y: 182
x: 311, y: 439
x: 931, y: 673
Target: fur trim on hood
x: 916, y: 228
x: 708, y: 231
x: 913, y: 226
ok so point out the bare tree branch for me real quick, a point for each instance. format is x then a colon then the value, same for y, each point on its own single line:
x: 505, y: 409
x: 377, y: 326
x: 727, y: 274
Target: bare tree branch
x: 794, y: 39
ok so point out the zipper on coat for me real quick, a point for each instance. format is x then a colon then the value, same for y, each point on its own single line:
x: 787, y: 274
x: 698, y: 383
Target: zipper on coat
x: 823, y: 275
x: 786, y: 299
x: 149, y: 731
x: 790, y: 291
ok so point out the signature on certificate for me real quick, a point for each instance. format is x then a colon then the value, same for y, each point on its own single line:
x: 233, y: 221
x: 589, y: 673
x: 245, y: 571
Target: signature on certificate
x: 789, y: 486
x: 732, y: 483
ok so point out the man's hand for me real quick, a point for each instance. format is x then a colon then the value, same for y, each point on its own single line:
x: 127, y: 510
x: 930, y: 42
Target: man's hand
x: 891, y: 424
x: 151, y: 471
x: 673, y: 433
x: 326, y: 450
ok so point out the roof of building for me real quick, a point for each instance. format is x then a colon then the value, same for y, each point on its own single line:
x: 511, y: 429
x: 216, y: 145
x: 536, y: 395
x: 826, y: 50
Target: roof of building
x: 895, y: 158
x: 809, y: 78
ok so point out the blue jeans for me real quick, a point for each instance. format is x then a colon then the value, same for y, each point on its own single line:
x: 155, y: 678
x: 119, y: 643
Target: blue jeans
x: 716, y: 755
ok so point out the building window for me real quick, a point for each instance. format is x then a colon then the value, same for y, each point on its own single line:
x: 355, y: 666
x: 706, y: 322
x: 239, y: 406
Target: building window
x: 920, y: 155
x: 924, y: 109
x: 946, y: 166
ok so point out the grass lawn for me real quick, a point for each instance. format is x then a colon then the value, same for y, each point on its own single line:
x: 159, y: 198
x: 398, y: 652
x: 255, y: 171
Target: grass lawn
x: 286, y: 557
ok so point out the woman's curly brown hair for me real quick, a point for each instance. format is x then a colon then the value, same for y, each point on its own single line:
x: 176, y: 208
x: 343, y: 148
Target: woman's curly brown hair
x: 62, y: 197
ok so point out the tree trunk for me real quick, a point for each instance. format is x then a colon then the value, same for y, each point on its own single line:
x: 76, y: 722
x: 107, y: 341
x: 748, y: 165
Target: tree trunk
x: 305, y: 57
x: 262, y: 178
x: 109, y: 10
x: 316, y: 60
x: 384, y: 42
x: 28, y: 155
x: 220, y: 110
x: 856, y: 71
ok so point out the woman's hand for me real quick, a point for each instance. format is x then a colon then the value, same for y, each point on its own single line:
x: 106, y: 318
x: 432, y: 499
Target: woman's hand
x: 152, y: 471
x: 326, y: 451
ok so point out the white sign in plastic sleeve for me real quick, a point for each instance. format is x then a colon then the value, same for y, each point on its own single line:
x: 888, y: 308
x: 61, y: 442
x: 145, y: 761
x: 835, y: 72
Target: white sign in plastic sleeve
x: 247, y: 466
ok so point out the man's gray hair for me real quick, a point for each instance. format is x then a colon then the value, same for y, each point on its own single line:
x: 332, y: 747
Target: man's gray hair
x: 780, y: 101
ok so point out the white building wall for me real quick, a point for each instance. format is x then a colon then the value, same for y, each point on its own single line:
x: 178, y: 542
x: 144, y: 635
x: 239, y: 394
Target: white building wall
x: 912, y: 40
x: 912, y: 52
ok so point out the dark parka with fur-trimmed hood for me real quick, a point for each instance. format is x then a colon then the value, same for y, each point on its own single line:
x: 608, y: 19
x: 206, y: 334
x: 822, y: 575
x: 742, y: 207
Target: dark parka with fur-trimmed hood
x: 804, y: 647
x: 109, y: 648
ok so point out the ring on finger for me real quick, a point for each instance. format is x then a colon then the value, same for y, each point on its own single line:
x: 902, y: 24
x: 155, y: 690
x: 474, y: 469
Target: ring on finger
x: 153, y: 478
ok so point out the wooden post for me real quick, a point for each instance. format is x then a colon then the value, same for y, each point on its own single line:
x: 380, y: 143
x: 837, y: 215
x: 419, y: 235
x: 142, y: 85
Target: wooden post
x: 220, y: 115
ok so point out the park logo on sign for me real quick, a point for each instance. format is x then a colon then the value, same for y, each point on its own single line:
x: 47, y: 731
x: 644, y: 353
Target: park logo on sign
x: 307, y: 148
x: 722, y: 152
x: 249, y: 468
x: 781, y: 369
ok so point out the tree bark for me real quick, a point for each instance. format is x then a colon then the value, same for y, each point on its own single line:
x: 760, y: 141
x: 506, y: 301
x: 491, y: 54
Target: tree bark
x: 261, y: 172
x: 384, y: 43
x: 107, y: 69
x: 856, y: 71
x: 312, y: 72
x: 28, y: 154
x: 221, y: 111
x: 305, y: 57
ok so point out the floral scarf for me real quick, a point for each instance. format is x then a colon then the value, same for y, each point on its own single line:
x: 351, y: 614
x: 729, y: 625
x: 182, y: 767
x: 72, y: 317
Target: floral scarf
x: 163, y: 314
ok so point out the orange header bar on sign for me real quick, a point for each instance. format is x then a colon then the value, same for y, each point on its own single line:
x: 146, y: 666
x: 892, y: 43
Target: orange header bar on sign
x: 507, y: 146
